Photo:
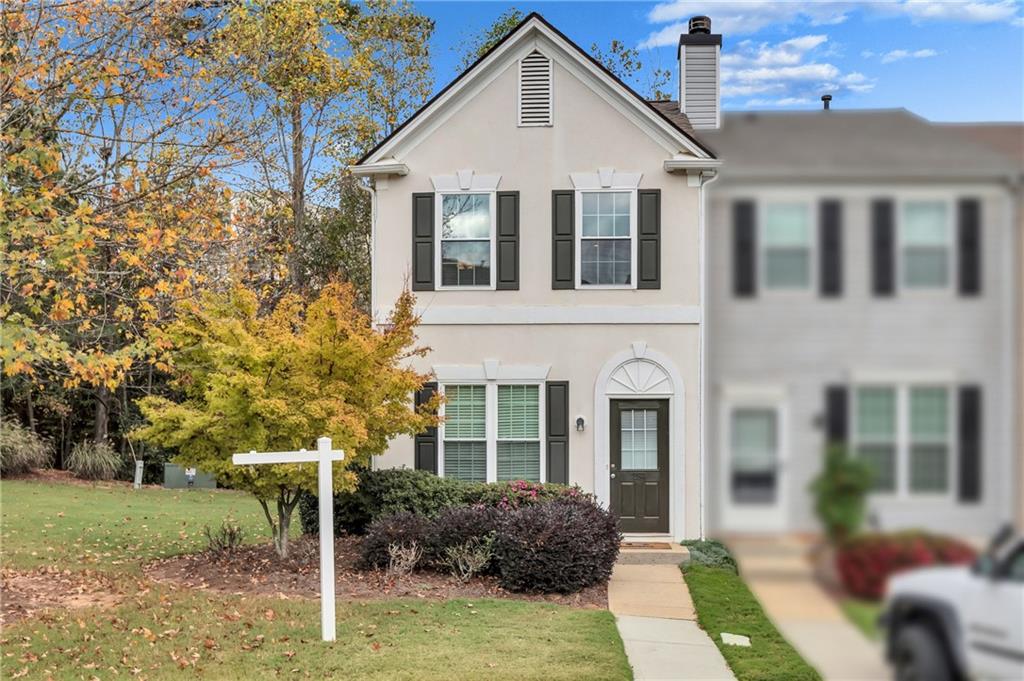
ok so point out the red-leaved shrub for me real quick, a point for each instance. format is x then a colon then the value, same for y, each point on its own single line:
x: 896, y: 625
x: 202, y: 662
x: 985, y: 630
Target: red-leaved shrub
x: 866, y: 562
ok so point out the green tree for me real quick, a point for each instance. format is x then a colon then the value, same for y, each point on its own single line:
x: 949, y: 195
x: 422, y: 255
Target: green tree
x: 840, y: 492
x: 276, y: 380
x: 475, y: 47
x: 627, y: 66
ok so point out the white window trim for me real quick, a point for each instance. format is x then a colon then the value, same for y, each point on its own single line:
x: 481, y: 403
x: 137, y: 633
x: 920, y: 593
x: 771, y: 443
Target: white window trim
x: 491, y: 424
x: 951, y: 250
x: 903, y: 440
x: 812, y: 247
x: 578, y: 245
x: 438, y: 239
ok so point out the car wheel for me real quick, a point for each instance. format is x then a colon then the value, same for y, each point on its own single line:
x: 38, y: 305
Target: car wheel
x: 920, y: 655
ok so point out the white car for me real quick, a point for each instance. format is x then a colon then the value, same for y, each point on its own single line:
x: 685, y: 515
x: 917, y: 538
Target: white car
x: 947, y: 623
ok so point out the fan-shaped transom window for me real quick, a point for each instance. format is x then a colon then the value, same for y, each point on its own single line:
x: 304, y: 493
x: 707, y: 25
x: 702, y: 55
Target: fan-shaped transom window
x: 640, y: 377
x: 534, y: 90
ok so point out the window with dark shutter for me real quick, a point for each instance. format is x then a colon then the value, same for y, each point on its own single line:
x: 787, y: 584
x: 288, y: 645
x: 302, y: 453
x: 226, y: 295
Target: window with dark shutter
x: 563, y: 257
x: 425, y: 456
x: 649, y: 238
x: 969, y: 245
x: 744, y: 249
x: 423, y: 242
x: 830, y: 226
x: 508, y: 241
x: 557, y: 431
x: 883, y: 248
x: 534, y: 90
x: 970, y: 449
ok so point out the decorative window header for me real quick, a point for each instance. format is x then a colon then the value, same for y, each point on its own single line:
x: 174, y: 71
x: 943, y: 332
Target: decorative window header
x: 605, y: 178
x: 465, y: 181
x: 491, y: 370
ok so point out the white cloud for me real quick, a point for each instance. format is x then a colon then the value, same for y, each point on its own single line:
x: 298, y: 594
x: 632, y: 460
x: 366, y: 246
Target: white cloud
x: 898, y: 55
x: 784, y: 101
x: 744, y: 17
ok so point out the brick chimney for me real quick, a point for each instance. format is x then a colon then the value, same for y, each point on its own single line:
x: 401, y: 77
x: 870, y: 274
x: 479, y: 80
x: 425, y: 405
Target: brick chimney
x: 699, y: 84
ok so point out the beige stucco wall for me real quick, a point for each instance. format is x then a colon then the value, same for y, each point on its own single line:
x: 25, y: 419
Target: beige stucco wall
x: 587, y: 134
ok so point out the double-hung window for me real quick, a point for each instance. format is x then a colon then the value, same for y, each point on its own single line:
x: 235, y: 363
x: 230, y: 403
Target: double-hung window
x: 492, y: 432
x: 787, y: 244
x: 904, y: 434
x: 607, y: 238
x: 925, y: 245
x: 466, y: 239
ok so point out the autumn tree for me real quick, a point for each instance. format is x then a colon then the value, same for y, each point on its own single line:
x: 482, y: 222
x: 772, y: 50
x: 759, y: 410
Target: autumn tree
x: 276, y: 380
x: 110, y: 128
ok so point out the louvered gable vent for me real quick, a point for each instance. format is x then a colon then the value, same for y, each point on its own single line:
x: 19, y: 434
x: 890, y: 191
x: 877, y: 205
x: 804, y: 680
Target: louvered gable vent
x: 535, y: 89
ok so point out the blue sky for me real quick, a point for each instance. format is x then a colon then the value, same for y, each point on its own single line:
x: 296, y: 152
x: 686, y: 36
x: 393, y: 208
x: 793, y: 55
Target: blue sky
x: 947, y: 60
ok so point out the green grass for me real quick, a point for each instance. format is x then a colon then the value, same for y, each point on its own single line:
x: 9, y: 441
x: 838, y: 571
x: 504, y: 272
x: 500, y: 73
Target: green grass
x: 159, y: 632
x: 864, y: 615
x: 725, y: 604
x: 112, y: 527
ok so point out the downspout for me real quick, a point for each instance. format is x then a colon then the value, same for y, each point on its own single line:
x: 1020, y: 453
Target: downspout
x: 368, y: 188
x: 705, y: 179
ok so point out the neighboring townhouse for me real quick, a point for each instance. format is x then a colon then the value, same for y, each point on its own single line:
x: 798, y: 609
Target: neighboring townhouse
x: 549, y: 220
x: 863, y: 290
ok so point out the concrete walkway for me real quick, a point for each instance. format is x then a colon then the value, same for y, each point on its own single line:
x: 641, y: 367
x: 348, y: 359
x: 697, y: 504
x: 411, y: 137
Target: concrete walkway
x: 779, y: 574
x: 657, y: 622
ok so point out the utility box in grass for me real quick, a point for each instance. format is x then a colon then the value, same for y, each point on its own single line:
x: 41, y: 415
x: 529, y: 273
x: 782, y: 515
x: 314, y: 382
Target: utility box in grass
x: 175, y: 478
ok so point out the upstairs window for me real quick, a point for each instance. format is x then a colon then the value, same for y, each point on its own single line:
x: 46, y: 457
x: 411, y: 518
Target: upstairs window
x: 787, y: 240
x: 925, y: 245
x: 535, y: 90
x: 607, y: 225
x: 467, y: 239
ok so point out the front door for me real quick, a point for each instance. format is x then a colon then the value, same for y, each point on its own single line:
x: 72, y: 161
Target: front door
x: 639, y: 464
x: 752, y: 483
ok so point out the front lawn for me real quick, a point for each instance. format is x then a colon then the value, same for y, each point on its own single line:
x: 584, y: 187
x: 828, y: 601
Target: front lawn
x: 725, y: 604
x: 103, y: 535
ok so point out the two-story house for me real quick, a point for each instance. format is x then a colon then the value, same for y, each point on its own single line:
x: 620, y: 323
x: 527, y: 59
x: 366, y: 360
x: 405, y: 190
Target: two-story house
x: 550, y: 222
x: 863, y: 291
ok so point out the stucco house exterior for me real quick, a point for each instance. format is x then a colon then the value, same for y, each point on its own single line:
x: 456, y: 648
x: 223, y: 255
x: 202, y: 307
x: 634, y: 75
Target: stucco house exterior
x: 550, y: 223
x: 864, y: 290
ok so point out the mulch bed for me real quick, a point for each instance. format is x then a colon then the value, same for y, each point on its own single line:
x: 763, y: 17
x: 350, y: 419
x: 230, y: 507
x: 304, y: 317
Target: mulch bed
x: 257, y: 570
x: 23, y: 593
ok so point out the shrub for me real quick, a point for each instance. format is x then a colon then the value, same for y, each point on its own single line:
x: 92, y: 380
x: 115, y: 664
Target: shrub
x: 400, y: 529
x: 560, y: 547
x: 865, y: 563
x: 21, y: 450
x: 518, y: 493
x: 840, y: 492
x: 710, y: 553
x: 458, y: 526
x: 94, y: 461
x: 403, y: 559
x: 224, y: 540
x: 470, y: 558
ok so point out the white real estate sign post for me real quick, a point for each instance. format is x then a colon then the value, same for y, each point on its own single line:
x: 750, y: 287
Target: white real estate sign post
x: 324, y: 456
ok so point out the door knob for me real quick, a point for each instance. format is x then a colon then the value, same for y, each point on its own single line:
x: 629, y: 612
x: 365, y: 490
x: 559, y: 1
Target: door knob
x: 613, y: 475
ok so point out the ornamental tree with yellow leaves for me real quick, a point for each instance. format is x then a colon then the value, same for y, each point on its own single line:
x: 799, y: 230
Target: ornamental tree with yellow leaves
x: 277, y: 380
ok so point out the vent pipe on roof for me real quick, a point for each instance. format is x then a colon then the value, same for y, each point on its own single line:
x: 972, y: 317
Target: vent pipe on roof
x: 699, y: 90
x: 826, y: 100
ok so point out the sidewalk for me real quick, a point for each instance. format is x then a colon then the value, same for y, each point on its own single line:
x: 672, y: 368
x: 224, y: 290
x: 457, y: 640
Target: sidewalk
x: 777, y: 572
x: 657, y: 623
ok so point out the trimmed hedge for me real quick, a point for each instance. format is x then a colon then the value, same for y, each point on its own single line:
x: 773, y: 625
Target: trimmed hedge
x: 561, y: 547
x: 866, y: 562
x: 402, y: 490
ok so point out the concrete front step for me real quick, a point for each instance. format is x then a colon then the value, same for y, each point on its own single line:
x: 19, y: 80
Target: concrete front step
x: 652, y: 553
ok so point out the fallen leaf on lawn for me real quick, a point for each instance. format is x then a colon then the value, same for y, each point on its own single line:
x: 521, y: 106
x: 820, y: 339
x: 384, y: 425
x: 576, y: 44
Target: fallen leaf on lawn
x: 269, y: 614
x: 209, y: 644
x: 375, y: 645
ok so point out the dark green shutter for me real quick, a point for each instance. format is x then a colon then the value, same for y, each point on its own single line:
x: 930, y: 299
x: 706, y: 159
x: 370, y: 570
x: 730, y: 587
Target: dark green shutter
x: 883, y: 248
x: 423, y: 242
x: 425, y: 457
x: 563, y: 246
x: 649, y: 238
x: 830, y: 234
x: 557, y: 430
x: 508, y: 241
x: 969, y: 435
x: 744, y: 249
x: 837, y: 430
x: 969, y: 246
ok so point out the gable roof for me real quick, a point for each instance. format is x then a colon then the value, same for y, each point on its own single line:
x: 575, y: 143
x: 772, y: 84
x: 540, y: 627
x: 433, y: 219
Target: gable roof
x: 849, y: 145
x: 677, y: 124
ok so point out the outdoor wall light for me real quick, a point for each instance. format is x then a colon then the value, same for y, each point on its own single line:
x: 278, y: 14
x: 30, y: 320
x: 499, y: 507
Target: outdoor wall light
x: 579, y: 424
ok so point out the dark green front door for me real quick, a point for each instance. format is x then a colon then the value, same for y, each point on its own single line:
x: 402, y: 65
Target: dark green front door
x: 639, y: 464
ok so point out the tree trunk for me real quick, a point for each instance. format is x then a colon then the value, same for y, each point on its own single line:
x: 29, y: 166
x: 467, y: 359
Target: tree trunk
x: 280, y: 526
x: 30, y: 412
x: 102, y: 417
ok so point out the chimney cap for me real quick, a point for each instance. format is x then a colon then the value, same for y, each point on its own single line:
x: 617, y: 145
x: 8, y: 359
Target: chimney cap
x: 826, y: 99
x: 700, y: 24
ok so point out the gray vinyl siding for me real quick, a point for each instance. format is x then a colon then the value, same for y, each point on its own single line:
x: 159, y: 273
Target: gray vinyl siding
x: 700, y: 88
x: 801, y: 343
